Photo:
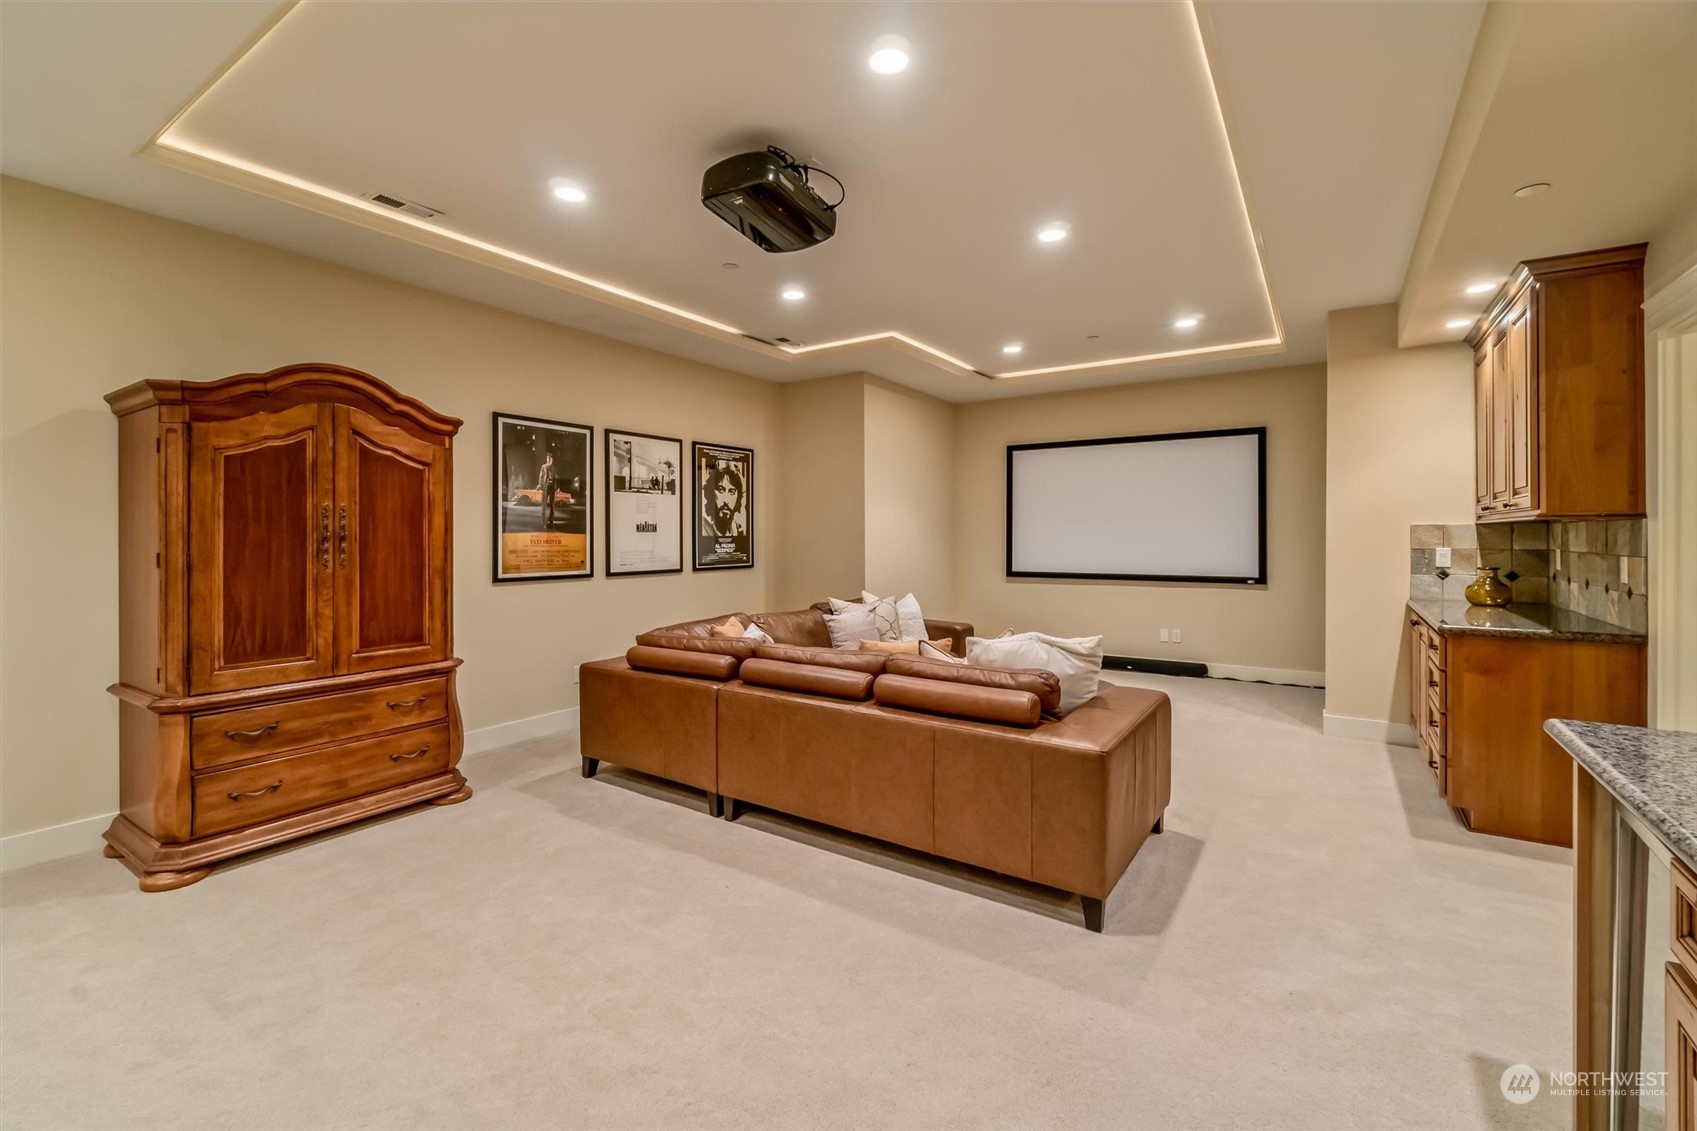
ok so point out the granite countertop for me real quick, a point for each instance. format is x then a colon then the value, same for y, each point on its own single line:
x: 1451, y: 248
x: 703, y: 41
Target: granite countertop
x: 1542, y: 621
x: 1653, y: 773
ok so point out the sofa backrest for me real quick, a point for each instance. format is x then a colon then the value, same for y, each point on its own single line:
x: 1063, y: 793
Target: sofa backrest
x: 803, y: 627
x: 808, y: 679
x: 871, y: 663
x: 1005, y: 705
x: 684, y: 662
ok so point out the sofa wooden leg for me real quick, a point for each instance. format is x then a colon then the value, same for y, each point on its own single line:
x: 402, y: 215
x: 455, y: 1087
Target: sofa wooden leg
x: 590, y: 765
x: 730, y: 805
x: 1160, y: 824
x: 1092, y: 913
x: 715, y: 804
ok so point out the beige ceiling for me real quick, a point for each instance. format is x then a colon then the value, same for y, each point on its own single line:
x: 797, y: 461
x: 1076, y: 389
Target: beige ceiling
x: 1101, y: 115
x: 1597, y: 100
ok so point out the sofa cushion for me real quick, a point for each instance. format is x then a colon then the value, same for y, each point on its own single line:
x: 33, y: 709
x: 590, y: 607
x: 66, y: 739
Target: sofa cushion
x: 809, y: 679
x: 960, y: 700
x: 940, y: 650
x: 872, y: 663
x: 740, y: 649
x: 1045, y: 685
x: 802, y: 627
x: 677, y: 661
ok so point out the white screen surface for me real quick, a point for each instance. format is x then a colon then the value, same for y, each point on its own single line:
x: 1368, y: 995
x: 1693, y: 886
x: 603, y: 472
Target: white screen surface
x: 1182, y: 508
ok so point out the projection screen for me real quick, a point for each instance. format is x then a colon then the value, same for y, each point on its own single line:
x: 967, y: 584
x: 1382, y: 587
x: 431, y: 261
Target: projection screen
x: 1185, y: 506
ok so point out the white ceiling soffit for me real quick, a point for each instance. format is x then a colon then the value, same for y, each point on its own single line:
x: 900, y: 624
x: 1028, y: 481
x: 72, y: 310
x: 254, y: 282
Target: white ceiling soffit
x: 1599, y: 101
x: 1107, y: 116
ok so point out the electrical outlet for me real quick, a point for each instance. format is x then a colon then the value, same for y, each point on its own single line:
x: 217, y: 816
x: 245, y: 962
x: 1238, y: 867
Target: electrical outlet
x: 1623, y: 573
x: 1178, y: 638
x: 1164, y: 636
x: 1442, y: 556
x: 576, y: 668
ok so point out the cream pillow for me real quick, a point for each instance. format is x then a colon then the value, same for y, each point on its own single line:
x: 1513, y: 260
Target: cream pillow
x: 849, y: 627
x: 908, y: 647
x: 755, y: 633
x: 730, y: 630
x: 1076, y: 661
x: 940, y: 650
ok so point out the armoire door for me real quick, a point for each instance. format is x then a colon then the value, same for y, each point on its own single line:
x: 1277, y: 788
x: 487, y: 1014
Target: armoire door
x: 391, y: 546
x: 260, y: 586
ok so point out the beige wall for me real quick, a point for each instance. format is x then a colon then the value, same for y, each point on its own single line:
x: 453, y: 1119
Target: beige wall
x: 821, y: 490
x: 1399, y: 451
x: 910, y: 495
x: 1279, y: 627
x: 93, y: 297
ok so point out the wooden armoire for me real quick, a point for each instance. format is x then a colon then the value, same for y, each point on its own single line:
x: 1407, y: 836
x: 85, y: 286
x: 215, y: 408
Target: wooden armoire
x: 286, y: 649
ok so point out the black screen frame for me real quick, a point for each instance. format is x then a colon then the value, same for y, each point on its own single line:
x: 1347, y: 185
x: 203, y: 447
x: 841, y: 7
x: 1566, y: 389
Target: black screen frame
x: 1260, y: 578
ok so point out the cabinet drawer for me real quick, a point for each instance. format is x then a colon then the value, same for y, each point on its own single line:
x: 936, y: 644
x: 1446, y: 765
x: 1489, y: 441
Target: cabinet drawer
x: 1682, y: 919
x: 1434, y: 679
x: 1434, y: 648
x: 1436, y: 723
x: 259, y: 791
x: 253, y: 732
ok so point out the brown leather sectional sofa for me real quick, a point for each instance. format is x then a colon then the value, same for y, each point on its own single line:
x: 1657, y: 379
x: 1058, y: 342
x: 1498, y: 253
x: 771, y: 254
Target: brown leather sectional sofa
x: 961, y: 762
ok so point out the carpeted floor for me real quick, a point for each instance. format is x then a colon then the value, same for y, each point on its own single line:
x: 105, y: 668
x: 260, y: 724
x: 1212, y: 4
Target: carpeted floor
x: 1313, y: 944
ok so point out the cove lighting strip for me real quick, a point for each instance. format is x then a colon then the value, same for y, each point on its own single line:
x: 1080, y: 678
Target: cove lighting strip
x: 210, y: 161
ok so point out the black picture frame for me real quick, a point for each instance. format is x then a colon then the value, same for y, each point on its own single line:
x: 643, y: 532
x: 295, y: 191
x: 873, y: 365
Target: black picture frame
x: 623, y: 498
x: 511, y: 502
x: 707, y: 543
x: 1260, y: 578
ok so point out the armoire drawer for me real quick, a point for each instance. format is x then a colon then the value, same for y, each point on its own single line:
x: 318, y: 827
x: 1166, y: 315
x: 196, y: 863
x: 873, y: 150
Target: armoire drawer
x: 253, y: 732
x: 245, y: 795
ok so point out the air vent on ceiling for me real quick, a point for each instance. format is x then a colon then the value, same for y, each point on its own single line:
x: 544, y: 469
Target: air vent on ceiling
x: 399, y: 205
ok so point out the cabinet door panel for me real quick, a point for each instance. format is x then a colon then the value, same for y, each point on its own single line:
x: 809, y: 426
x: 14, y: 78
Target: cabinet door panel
x: 1523, y: 409
x: 1482, y: 424
x: 259, y: 571
x: 392, y: 546
x: 1502, y: 407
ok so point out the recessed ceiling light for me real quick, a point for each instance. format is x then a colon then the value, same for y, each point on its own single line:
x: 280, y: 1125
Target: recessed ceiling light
x: 1013, y: 348
x: 1481, y: 288
x: 1052, y: 233
x: 1458, y: 323
x: 1532, y: 189
x: 889, y: 55
x: 1188, y: 322
x: 569, y: 191
x: 793, y: 293
x: 729, y: 266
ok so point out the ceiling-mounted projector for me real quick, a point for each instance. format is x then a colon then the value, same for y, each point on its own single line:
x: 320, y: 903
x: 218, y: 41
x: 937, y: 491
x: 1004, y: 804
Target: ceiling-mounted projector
x: 766, y: 197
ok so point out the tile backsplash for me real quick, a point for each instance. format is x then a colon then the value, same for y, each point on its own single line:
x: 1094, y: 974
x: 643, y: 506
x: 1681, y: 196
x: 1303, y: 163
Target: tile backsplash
x: 1572, y: 565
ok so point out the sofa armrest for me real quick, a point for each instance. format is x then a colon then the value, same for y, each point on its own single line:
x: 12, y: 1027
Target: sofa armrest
x: 955, y: 631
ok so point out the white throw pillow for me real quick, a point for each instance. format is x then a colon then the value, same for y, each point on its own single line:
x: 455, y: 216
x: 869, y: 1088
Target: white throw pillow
x: 753, y: 632
x: 909, y: 620
x: 931, y: 652
x: 1076, y: 662
x: 849, y: 627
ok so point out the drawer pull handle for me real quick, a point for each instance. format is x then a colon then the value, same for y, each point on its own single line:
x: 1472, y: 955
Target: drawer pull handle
x: 1433, y: 724
x: 324, y: 536
x: 1433, y: 647
x: 342, y: 535
x: 250, y: 735
x: 405, y: 757
x: 394, y: 706
x: 272, y: 788
x: 1431, y: 683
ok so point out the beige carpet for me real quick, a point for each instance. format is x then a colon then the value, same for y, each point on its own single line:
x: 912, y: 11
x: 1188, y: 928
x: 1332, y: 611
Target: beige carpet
x: 1313, y: 944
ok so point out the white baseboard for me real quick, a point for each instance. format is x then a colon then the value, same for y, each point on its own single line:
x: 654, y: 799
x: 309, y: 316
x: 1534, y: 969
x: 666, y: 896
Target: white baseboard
x: 38, y: 846
x: 485, y: 739
x: 1267, y: 675
x: 1367, y: 730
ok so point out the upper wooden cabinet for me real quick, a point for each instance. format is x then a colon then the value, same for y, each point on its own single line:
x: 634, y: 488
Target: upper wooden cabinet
x: 1558, y: 363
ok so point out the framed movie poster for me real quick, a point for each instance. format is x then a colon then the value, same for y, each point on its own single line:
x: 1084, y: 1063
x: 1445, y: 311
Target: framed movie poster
x: 543, y: 494
x: 645, y: 517
x: 724, y: 512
